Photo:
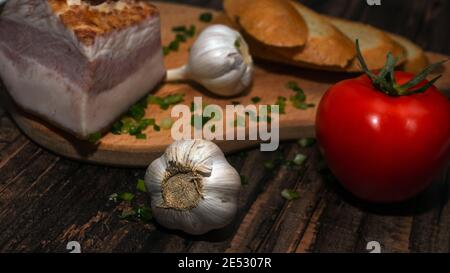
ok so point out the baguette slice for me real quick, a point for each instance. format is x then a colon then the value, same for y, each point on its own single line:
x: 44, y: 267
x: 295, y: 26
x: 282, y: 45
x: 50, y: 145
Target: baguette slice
x: 326, y: 45
x: 374, y: 43
x: 416, y: 60
x: 272, y: 22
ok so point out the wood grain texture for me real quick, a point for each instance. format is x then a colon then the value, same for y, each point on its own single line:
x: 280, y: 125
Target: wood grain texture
x: 46, y: 200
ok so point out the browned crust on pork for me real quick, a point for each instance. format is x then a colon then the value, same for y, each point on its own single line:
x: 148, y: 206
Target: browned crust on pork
x: 91, y: 21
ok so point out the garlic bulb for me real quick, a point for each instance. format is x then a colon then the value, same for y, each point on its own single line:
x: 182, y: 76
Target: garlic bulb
x: 219, y: 60
x: 192, y: 187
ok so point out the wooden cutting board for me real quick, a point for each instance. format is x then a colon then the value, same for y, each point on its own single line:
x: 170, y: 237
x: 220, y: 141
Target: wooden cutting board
x: 269, y: 83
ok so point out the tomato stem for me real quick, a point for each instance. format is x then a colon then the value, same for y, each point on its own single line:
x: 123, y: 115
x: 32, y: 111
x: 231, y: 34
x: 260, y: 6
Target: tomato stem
x: 385, y: 79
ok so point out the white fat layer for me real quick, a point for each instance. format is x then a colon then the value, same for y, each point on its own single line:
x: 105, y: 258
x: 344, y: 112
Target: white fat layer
x: 38, y: 14
x: 46, y: 93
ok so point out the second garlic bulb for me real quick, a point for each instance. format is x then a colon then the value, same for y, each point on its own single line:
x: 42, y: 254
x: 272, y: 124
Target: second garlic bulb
x: 193, y: 188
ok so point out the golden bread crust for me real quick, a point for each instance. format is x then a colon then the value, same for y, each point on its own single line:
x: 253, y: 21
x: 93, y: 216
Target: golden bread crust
x: 89, y: 21
x: 272, y: 22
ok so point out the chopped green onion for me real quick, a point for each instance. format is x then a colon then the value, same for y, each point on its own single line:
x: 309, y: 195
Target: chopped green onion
x: 270, y: 165
x: 137, y: 112
x: 126, y: 196
x: 191, y: 31
x: 180, y: 38
x: 299, y: 159
x: 281, y: 102
x: 299, y: 99
x: 166, y: 50
x: 290, y: 194
x: 306, y: 142
x: 256, y: 99
x: 113, y: 197
x: 95, y: 137
x: 141, y: 136
x: 166, y: 123
x: 174, y: 45
x: 165, y: 102
x: 206, y: 17
x: 143, y: 213
x: 140, y: 186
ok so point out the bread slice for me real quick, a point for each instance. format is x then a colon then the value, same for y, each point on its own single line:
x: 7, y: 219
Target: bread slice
x: 272, y: 22
x: 326, y: 45
x: 416, y: 60
x: 374, y: 43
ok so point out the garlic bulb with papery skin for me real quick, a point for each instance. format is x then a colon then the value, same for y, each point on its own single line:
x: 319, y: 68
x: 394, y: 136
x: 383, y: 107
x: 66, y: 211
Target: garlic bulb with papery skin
x: 192, y: 187
x: 219, y: 60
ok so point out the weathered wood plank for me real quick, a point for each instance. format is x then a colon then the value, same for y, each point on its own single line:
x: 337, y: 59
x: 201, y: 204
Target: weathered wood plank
x: 291, y: 224
x: 46, y: 201
x: 265, y: 210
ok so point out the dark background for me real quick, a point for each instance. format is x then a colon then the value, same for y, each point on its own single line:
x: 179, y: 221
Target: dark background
x: 47, y: 201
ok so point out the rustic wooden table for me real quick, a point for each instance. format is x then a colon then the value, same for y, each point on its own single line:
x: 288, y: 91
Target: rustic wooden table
x: 47, y: 201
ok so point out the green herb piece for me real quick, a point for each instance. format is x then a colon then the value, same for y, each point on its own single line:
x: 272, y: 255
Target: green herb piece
x: 299, y: 159
x: 244, y: 180
x: 95, y: 137
x: 137, y: 111
x: 299, y: 99
x: 140, y: 186
x: 135, y: 129
x: 166, y: 50
x: 166, y: 123
x: 235, y: 103
x: 206, y: 17
x: 156, y: 128
x: 126, y: 196
x: 165, y: 102
x: 180, y: 38
x: 143, y: 213
x: 113, y: 197
x: 270, y: 165
x: 174, y: 45
x: 281, y: 102
x: 293, y: 86
x: 237, y: 43
x: 306, y: 142
x: 191, y: 31
x: 303, y: 105
x: 256, y: 99
x: 117, y: 128
x: 290, y: 194
x: 141, y: 136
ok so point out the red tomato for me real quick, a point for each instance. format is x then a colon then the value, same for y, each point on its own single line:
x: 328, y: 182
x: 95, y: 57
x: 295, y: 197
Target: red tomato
x: 383, y: 148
